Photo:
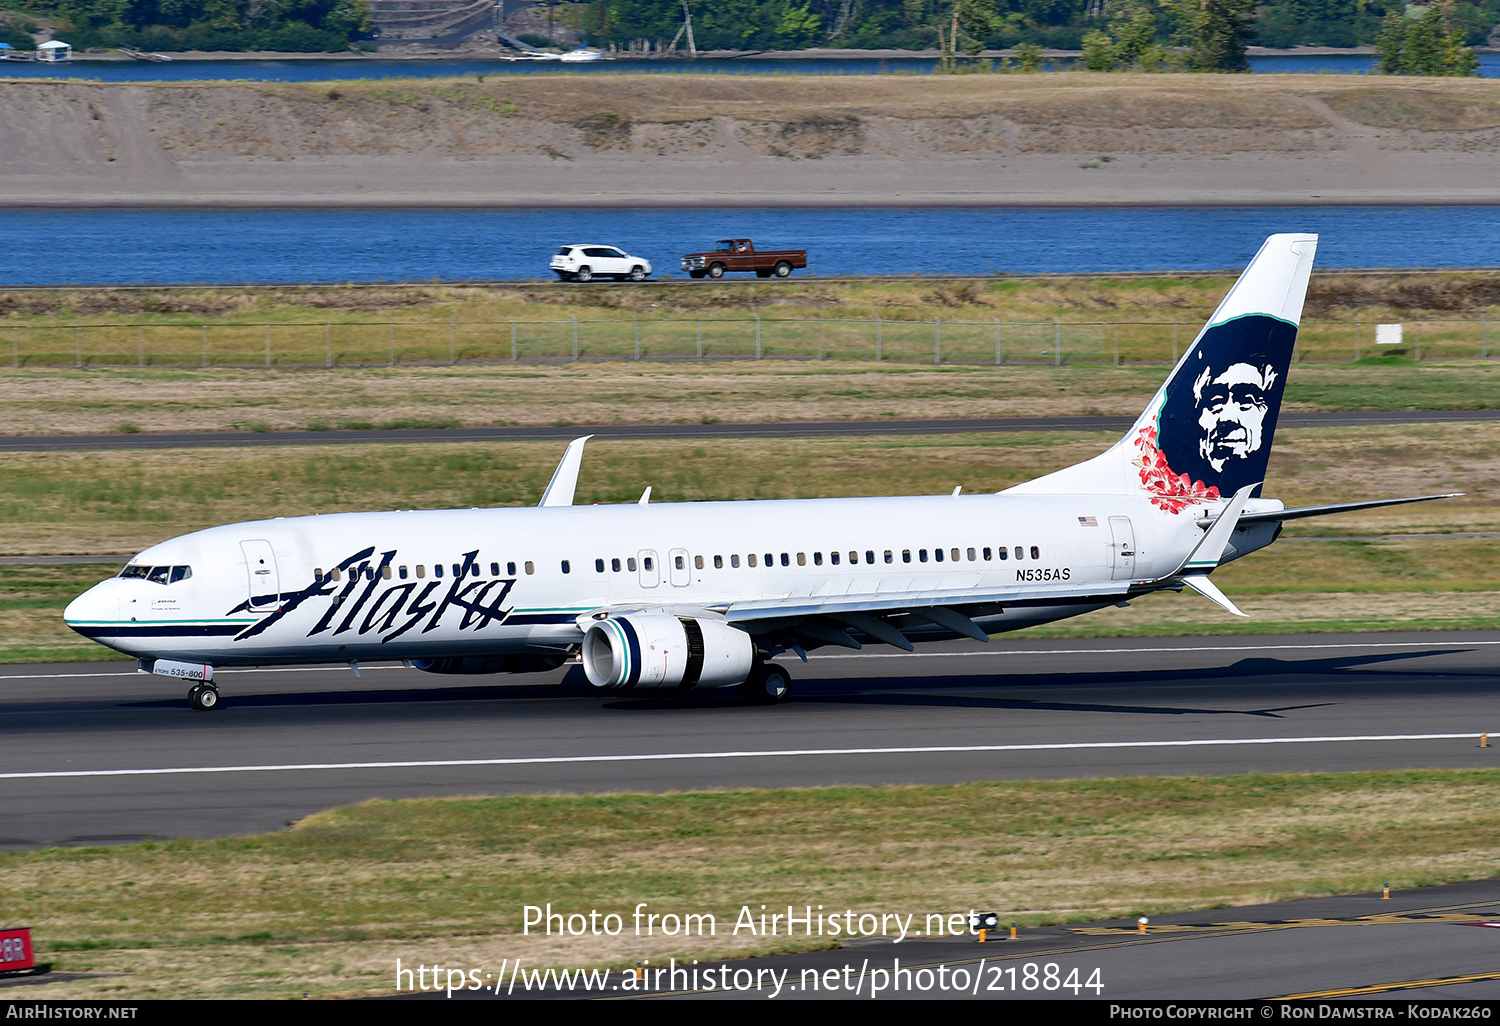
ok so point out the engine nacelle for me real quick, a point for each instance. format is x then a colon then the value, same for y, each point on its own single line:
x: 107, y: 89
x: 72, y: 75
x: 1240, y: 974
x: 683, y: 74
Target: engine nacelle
x: 658, y: 650
x: 516, y: 662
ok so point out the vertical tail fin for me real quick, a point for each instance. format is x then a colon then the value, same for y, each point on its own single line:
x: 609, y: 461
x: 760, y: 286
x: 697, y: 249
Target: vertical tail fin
x: 1207, y: 432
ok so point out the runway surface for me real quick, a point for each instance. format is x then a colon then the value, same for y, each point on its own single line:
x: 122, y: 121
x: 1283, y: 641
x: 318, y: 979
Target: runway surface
x: 97, y: 753
x: 787, y: 429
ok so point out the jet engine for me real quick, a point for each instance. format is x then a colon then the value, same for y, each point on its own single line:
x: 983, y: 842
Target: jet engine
x: 658, y: 650
x: 518, y: 662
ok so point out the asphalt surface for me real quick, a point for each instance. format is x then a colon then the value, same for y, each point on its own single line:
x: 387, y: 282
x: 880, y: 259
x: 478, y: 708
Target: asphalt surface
x: 97, y: 753
x: 787, y: 429
x: 1418, y: 945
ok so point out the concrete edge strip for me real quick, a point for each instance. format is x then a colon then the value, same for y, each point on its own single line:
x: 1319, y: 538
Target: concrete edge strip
x: 691, y: 756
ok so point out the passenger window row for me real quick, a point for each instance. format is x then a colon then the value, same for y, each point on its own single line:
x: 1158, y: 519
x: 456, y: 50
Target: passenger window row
x: 953, y: 555
x: 388, y: 572
x: 158, y: 574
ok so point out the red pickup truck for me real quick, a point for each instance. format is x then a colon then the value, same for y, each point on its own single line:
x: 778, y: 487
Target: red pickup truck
x: 740, y: 255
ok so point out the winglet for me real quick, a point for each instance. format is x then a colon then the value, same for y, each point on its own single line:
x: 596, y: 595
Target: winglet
x: 1210, y: 550
x: 565, y: 478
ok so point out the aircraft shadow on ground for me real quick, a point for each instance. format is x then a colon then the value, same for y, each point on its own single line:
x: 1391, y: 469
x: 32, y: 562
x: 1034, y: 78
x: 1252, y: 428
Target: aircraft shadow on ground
x: 928, y: 691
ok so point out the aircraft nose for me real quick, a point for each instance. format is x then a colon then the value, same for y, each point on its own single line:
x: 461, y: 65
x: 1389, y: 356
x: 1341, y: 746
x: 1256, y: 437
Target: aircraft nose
x: 101, y: 602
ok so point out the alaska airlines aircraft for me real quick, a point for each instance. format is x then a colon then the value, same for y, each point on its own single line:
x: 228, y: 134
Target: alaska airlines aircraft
x: 705, y: 594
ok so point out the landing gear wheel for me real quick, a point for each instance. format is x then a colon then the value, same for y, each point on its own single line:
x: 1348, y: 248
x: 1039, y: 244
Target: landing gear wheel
x: 584, y: 274
x: 716, y: 271
x: 783, y: 269
x: 767, y: 685
x: 637, y: 273
x: 203, y: 697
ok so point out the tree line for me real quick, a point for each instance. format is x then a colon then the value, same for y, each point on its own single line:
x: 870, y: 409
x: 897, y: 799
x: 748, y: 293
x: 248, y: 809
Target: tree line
x: 291, y: 26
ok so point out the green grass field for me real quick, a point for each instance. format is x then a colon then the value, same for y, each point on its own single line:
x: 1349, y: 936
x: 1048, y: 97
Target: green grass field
x: 327, y: 906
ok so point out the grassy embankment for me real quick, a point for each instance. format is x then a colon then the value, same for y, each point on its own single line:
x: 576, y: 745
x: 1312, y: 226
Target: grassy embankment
x: 123, y: 501
x: 327, y: 906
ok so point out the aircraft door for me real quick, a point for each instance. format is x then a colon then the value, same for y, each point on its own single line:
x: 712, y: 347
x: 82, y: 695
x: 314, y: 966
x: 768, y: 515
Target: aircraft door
x: 1123, y: 548
x: 678, y: 569
x: 264, y: 579
x: 650, y: 569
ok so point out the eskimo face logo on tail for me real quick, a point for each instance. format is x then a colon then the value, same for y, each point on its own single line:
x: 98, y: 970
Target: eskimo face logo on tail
x: 1232, y: 412
x: 1213, y: 430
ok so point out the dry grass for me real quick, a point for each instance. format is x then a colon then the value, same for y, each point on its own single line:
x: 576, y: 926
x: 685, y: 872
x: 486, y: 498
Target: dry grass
x: 327, y: 906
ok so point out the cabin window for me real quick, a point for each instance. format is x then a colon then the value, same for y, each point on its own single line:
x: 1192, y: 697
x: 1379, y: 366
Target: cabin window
x: 954, y: 554
x: 1036, y: 553
x: 181, y: 573
x: 421, y: 572
x: 385, y: 571
x: 1020, y: 552
x: 458, y: 570
x: 734, y: 561
x: 530, y: 567
x: 937, y: 554
x: 921, y: 555
x: 801, y: 559
x: 630, y: 564
x: 833, y: 557
x: 698, y: 561
x: 437, y: 569
x: 970, y: 555
x: 401, y: 572
x: 647, y: 562
x: 906, y: 555
x: 680, y: 563
x: 1003, y: 553
x: 870, y: 556
x: 614, y: 565
x: 599, y: 566
x: 751, y: 558
x: 510, y: 568
x: 567, y: 567
x: 494, y: 570
x: 317, y: 574
x: 888, y: 555
x: 987, y: 554
x: 770, y: 559
x: 474, y: 570
x: 369, y: 572
x: 718, y: 562
x: 817, y: 559
x: 786, y: 559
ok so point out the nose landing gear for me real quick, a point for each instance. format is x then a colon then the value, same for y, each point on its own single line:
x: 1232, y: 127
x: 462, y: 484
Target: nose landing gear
x: 203, y: 697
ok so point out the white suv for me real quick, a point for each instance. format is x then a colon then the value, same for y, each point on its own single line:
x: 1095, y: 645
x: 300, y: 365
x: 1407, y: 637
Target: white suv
x: 584, y: 263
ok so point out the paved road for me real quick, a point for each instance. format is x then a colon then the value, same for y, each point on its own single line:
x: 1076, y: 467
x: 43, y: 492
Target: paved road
x: 289, y: 742
x: 1415, y: 946
x: 787, y: 429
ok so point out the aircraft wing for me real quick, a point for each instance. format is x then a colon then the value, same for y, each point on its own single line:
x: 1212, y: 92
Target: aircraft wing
x: 1297, y: 513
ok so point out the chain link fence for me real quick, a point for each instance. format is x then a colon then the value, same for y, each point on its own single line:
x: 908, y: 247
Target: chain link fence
x: 935, y: 341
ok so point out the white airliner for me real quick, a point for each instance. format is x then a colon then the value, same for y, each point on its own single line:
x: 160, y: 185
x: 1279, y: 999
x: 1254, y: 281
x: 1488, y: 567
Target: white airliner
x: 704, y: 594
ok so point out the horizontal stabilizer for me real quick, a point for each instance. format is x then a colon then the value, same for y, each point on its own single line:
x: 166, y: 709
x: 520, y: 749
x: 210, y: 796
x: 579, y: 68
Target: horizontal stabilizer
x: 1338, y: 507
x: 1210, y: 550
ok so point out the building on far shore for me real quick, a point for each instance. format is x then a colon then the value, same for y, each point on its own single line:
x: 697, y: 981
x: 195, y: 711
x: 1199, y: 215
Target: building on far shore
x: 55, y: 50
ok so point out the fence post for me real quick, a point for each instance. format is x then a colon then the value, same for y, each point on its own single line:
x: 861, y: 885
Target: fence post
x: 452, y: 341
x: 205, y: 345
x: 878, y: 339
x: 1056, y: 342
x: 575, y: 338
x: 78, y: 343
x: 514, y: 352
x: 997, y: 342
x: 328, y: 338
x: 637, y: 337
x: 757, y: 335
x: 141, y: 342
x: 937, y: 340
x: 1117, y: 343
x: 700, y: 340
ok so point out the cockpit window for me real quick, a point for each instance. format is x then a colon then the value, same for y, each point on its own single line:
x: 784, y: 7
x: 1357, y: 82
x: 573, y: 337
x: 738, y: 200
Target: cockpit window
x: 159, y: 574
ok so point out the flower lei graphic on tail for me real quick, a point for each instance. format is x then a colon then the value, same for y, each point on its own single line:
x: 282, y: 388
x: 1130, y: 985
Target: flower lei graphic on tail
x: 1169, y: 490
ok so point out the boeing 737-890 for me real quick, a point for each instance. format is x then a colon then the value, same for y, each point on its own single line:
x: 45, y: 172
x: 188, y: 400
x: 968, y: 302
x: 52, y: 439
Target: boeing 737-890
x: 705, y: 594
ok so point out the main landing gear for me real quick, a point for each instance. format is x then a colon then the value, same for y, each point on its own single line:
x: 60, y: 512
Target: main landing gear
x: 768, y: 684
x: 203, y: 697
